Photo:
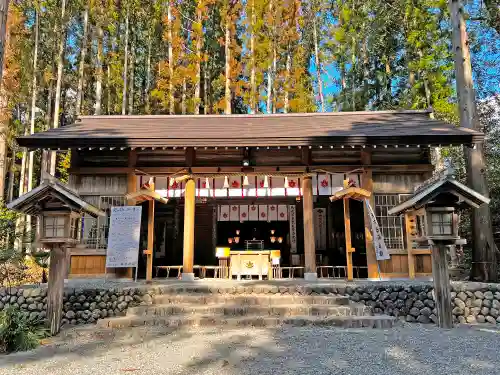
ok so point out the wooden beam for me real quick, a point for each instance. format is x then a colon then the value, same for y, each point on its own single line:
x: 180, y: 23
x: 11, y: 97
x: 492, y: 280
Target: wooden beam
x: 371, y: 259
x: 410, y: 226
x: 189, y: 216
x: 348, y: 242
x: 410, y: 169
x: 306, y: 156
x: 132, y: 158
x: 309, y: 242
x: 190, y: 156
x: 57, y: 273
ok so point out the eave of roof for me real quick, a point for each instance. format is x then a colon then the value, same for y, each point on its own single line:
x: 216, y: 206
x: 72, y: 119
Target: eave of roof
x: 300, y: 129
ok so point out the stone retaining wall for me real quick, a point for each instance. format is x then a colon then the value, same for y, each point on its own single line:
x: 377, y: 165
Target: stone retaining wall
x: 81, y: 306
x: 410, y: 301
x: 472, y: 302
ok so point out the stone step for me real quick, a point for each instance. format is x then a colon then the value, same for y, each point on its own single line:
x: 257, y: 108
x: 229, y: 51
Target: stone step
x: 227, y: 309
x: 378, y: 321
x: 249, y: 288
x: 252, y: 299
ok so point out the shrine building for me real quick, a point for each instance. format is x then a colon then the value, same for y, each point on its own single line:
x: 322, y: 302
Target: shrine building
x: 277, y: 196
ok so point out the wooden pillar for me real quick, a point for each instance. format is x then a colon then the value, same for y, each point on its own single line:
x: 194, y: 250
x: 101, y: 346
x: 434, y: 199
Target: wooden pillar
x: 442, y: 295
x: 151, y: 232
x: 309, y: 243
x: 57, y: 273
x: 189, y: 212
x: 410, y: 226
x: 348, y: 242
x: 371, y: 259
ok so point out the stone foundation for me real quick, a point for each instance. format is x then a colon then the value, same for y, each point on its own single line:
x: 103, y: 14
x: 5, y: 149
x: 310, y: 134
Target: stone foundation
x: 81, y: 306
x: 409, y: 301
x: 414, y: 302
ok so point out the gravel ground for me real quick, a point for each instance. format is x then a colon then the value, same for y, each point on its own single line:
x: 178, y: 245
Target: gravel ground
x: 405, y: 350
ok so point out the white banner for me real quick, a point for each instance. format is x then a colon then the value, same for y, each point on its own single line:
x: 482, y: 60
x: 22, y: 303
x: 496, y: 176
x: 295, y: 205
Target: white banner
x: 293, y: 229
x: 220, y: 191
x: 224, y: 213
x: 124, y: 234
x: 293, y: 189
x: 234, y: 214
x: 253, y: 213
x: 278, y: 186
x: 320, y: 228
x: 272, y: 212
x: 381, y: 251
x: 235, y: 187
x: 243, y: 213
x: 263, y: 212
x: 282, y: 212
x: 324, y: 185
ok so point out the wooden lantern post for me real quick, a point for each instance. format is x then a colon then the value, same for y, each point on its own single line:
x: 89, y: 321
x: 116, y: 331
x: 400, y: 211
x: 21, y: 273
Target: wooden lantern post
x: 440, y: 197
x: 59, y: 209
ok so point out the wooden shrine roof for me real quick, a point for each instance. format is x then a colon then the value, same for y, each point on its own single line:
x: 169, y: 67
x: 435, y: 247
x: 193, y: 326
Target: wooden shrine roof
x: 299, y: 129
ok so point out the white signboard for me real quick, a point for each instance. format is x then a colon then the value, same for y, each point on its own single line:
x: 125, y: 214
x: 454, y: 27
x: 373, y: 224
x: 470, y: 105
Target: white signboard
x: 381, y: 251
x: 124, y: 233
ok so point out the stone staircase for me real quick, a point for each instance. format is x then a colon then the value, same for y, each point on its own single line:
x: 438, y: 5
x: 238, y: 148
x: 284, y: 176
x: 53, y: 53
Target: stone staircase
x: 237, y: 307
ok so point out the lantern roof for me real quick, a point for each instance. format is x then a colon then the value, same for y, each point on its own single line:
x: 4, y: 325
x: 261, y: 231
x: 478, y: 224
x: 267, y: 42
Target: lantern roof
x: 52, y: 195
x: 443, y: 183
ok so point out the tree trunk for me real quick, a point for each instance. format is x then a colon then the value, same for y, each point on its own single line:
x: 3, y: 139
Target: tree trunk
x: 4, y: 10
x: 199, y: 46
x: 60, y: 66
x: 34, y: 88
x: 171, y: 100
x: 183, y: 99
x: 81, y: 69
x: 206, y: 93
x: 33, y: 98
x: 484, y: 257
x: 227, y: 50
x: 286, y: 102
x: 318, y: 65
x: 132, y: 77
x: 12, y: 173
x: 125, y: 65
x: 99, y: 71
x: 366, y: 73
x: 20, y: 221
x: 270, y: 67
x: 108, y: 89
x: 273, y: 86
x: 353, y: 70
x: 147, y: 108
x: 253, y: 87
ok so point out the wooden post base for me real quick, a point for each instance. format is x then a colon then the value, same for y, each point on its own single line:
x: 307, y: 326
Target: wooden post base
x: 441, y: 277
x: 58, y: 270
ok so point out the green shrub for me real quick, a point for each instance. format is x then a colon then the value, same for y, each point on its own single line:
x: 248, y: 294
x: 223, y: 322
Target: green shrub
x: 18, y: 332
